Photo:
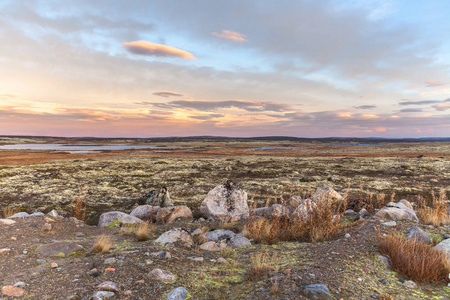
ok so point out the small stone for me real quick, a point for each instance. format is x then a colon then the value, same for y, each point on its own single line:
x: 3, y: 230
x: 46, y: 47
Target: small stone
x: 99, y: 295
x: 78, y: 233
x: 108, y: 286
x: 110, y: 260
x: 20, y: 284
x: 110, y: 270
x: 41, y: 261
x: 410, y: 284
x: 142, y: 281
x: 161, y: 275
x: 385, y: 260
x: 127, y: 293
x: 13, y: 238
x: 389, y: 224
x: 198, y: 259
x: 5, y: 251
x: 7, y: 221
x: 222, y: 260
x: 318, y: 292
x: 48, y: 220
x: 180, y: 293
x: 12, y: 291
x: 148, y: 262
x: 347, y: 235
x: 94, y: 273
x: 53, y: 265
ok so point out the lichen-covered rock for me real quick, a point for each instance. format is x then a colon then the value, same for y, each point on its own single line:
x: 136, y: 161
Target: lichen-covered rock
x: 177, y: 235
x: 170, y: 214
x: 59, y: 249
x: 397, y: 212
x: 161, y: 275
x: 145, y: 212
x: 108, y: 218
x: 239, y: 241
x: 219, y: 234
x: 180, y: 293
x: 318, y: 292
x: 326, y: 193
x: 225, y: 200
x: 216, y: 246
x: 444, y: 247
x: 418, y: 234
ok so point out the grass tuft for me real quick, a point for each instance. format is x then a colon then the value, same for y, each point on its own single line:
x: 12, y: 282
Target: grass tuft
x: 436, y: 214
x: 262, y: 263
x: 103, y: 244
x: 415, y: 259
x: 143, y: 231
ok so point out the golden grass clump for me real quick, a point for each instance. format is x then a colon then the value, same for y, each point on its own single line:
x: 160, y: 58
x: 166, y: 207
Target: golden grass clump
x: 79, y: 210
x: 261, y: 264
x: 143, y: 231
x: 436, y: 214
x: 103, y: 244
x: 8, y: 212
x: 415, y: 259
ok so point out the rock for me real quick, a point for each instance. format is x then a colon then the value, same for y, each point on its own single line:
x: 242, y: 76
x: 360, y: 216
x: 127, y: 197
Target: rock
x: 19, y: 215
x: 47, y: 227
x: 294, y: 201
x: 385, y: 260
x: 53, y: 265
x: 109, y: 260
x: 108, y: 286
x: 162, y: 254
x: 222, y: 260
x: 180, y: 293
x: 7, y: 221
x: 197, y: 259
x: 94, y: 272
x: 41, y: 261
x: 363, y: 212
x: 406, y: 203
x: 20, y: 284
x: 396, y: 212
x: 36, y: 214
x: 177, y: 235
x: 170, y: 214
x: 349, y: 212
x: 99, y: 295
x: 327, y: 193
x: 444, y: 247
x: 145, y: 212
x: 12, y: 291
x: 410, y: 284
x: 5, y: 251
x: 161, y: 275
x: 225, y: 200
x: 416, y: 233
x: 347, y: 235
x: 59, y: 249
x: 239, y: 241
x: 389, y: 224
x: 53, y: 214
x: 305, y: 209
x: 215, y: 246
x: 219, y: 234
x: 158, y: 197
x: 108, y: 218
x: 317, y: 292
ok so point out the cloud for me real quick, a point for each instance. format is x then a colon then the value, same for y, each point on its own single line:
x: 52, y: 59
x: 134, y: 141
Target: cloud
x: 167, y: 94
x: 252, y: 106
x: 407, y: 110
x: 432, y: 83
x: 231, y: 35
x: 148, y: 48
x: 207, y: 117
x: 424, y: 102
x: 442, y: 106
x: 365, y: 107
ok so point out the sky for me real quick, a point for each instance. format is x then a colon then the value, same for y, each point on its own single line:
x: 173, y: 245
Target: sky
x: 303, y: 68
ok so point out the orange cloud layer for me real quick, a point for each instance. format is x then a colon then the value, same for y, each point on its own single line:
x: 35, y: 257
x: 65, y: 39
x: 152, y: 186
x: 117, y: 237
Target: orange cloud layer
x: 230, y: 35
x: 148, y: 48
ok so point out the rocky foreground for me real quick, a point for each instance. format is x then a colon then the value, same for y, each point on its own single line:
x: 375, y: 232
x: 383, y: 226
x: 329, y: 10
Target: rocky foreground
x: 46, y: 256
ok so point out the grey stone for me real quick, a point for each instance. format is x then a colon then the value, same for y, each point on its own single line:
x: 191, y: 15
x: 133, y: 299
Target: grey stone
x: 317, y: 292
x: 172, y: 213
x: 108, y: 218
x: 53, y: 214
x: 418, y: 234
x: 444, y: 247
x: 7, y: 221
x: 108, y: 286
x: 410, y: 284
x: 220, y: 234
x: 349, y: 212
x: 326, y: 193
x: 177, y: 235
x: 37, y: 214
x: 239, y: 241
x: 397, y: 212
x: 59, y: 249
x: 145, y: 212
x: 385, y: 260
x: 20, y: 284
x: 161, y: 275
x: 215, y: 246
x: 225, y: 200
x: 179, y: 293
x: 19, y: 215
x: 109, y: 260
x: 41, y: 261
x: 389, y: 224
x: 102, y: 294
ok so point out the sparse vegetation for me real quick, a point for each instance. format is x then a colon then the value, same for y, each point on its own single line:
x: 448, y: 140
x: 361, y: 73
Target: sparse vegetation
x: 414, y: 258
x: 103, y: 244
x: 143, y: 231
x: 435, y: 215
x: 8, y: 212
x: 261, y: 264
x: 79, y: 204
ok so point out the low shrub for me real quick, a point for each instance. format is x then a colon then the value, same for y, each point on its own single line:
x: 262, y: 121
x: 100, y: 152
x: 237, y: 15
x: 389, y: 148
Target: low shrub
x: 103, y: 244
x: 436, y: 213
x: 262, y: 263
x: 415, y: 259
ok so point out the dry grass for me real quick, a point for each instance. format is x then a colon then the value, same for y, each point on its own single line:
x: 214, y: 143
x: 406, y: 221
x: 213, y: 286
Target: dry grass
x: 103, y: 244
x: 385, y: 297
x: 414, y: 259
x: 275, y: 288
x: 262, y: 263
x: 79, y: 210
x: 8, y: 212
x: 143, y: 231
x: 436, y: 213
x: 318, y: 221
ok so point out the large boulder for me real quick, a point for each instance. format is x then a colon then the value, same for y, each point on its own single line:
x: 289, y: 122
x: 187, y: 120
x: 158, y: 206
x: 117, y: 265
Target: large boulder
x: 145, y: 212
x: 59, y: 249
x: 158, y: 197
x: 397, y: 212
x: 415, y: 233
x: 170, y: 214
x: 327, y: 193
x: 225, y: 200
x: 108, y: 218
x: 444, y: 247
x: 177, y: 235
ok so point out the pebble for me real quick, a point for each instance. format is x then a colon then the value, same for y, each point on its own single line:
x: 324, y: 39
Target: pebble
x: 148, y: 261
x: 108, y: 286
x: 5, y: 251
x: 198, y: 259
x: 110, y: 260
x: 13, y: 238
x: 389, y: 224
x: 110, y: 270
x: 78, y: 233
x: 47, y: 227
x: 222, y: 260
x: 12, y: 291
x: 179, y: 293
x: 94, y: 273
x: 99, y: 295
x: 410, y: 284
x: 53, y: 265
x: 347, y: 235
x: 7, y: 221
x: 20, y: 284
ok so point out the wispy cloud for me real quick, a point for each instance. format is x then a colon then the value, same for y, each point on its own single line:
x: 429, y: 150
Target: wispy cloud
x: 167, y: 94
x: 365, y: 107
x: 230, y: 35
x: 252, y: 106
x: 433, y: 83
x: 148, y: 48
x: 424, y: 102
x: 408, y: 110
x: 442, y: 106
